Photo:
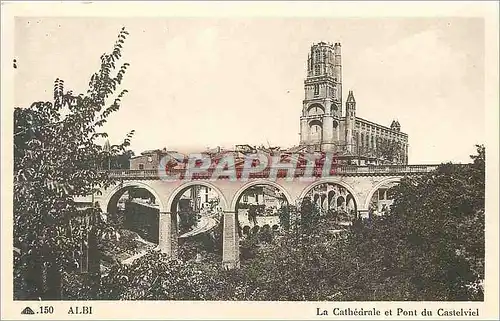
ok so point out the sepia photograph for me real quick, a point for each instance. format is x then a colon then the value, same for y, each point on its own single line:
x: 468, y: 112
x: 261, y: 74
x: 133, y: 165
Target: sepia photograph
x: 239, y: 158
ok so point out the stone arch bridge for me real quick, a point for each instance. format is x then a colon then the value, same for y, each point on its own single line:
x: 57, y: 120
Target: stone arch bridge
x: 360, y: 181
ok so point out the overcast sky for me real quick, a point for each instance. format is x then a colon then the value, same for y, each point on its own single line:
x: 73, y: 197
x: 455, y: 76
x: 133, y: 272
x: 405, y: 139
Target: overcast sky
x: 198, y: 82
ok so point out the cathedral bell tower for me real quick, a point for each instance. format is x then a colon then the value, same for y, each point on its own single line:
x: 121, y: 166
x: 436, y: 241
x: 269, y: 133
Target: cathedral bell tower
x: 322, y: 105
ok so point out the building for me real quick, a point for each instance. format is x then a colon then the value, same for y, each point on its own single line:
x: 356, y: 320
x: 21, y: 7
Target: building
x: 198, y: 198
x: 262, y: 195
x: 150, y: 159
x: 327, y: 127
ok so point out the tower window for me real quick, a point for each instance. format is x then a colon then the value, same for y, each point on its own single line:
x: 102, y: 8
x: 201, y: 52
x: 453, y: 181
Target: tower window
x: 316, y: 90
x: 316, y: 70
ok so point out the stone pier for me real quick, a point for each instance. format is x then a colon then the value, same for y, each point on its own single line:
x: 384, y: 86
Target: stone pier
x: 230, y: 241
x: 168, y: 233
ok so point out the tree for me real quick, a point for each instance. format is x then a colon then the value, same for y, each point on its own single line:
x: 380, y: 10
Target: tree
x: 56, y: 158
x: 302, y: 263
x: 284, y: 216
x: 431, y: 246
x: 390, y: 151
x: 253, y: 211
x: 188, y: 218
x: 122, y: 161
x: 307, y: 214
x: 158, y: 277
x: 119, y: 160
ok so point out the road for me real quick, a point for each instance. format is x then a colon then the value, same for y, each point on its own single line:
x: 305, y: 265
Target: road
x: 206, y: 223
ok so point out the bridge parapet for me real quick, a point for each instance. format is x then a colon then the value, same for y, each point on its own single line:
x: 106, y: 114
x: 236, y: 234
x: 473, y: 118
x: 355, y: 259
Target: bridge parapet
x: 385, y: 169
x: 134, y: 173
x: 344, y: 170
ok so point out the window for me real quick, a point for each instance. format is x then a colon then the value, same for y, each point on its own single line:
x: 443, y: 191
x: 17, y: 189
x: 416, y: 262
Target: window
x: 316, y: 90
x: 316, y: 70
x: 141, y: 166
x: 317, y: 56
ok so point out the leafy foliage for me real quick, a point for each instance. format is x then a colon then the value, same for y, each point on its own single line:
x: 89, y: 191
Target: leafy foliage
x: 284, y: 213
x: 122, y: 160
x: 188, y: 219
x: 57, y: 154
x: 203, y: 247
x: 157, y: 277
x: 431, y: 245
x: 390, y: 151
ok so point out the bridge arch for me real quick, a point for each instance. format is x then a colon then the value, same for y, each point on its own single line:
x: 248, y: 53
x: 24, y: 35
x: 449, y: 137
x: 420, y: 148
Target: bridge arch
x: 389, y: 181
x: 242, y: 189
x: 127, y: 184
x: 348, y: 187
x: 182, y: 188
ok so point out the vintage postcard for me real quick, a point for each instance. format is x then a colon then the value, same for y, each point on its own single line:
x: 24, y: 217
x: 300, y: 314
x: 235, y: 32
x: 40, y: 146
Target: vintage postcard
x: 246, y: 160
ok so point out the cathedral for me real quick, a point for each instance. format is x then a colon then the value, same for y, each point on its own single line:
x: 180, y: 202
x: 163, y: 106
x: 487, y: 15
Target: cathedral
x: 326, y: 127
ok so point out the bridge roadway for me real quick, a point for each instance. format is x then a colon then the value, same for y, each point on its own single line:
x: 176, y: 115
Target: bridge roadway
x: 360, y: 181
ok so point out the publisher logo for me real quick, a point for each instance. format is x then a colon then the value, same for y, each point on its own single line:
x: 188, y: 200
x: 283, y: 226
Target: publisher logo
x: 27, y: 310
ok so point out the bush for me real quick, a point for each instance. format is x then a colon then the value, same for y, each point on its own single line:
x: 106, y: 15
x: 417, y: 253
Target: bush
x: 265, y: 234
x: 249, y: 247
x: 158, y: 277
